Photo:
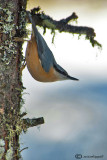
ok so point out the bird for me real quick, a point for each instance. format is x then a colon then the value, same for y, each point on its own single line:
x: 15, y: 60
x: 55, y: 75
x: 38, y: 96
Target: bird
x: 40, y: 60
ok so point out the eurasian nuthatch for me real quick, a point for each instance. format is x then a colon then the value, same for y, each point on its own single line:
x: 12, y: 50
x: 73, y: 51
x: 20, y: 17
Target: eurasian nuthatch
x: 40, y: 60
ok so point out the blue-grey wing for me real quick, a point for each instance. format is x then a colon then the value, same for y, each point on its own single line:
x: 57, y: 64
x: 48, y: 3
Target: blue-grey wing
x: 45, y: 55
x: 59, y: 69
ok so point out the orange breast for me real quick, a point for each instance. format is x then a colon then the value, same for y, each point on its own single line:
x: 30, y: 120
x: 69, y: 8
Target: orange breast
x: 34, y: 64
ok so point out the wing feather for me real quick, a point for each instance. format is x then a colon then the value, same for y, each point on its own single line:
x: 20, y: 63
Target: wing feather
x: 45, y: 55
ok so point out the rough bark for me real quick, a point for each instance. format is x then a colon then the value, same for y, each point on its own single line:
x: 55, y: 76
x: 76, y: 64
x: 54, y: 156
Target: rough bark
x: 11, y: 24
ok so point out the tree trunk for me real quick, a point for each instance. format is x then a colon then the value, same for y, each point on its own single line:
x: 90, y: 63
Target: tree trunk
x: 12, y: 24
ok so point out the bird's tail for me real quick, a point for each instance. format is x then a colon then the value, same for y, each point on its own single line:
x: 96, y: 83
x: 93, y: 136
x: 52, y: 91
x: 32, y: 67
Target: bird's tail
x: 72, y: 78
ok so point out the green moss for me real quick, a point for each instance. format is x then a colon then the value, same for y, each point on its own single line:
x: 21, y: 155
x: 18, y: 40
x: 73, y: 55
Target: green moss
x: 7, y: 20
x: 8, y: 28
x: 2, y: 150
x: 48, y: 24
x: 9, y: 154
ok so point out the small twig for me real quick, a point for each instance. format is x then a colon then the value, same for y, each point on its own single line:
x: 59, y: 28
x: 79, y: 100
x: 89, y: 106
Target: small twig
x: 32, y: 122
x: 23, y: 114
x: 23, y: 149
x: 70, y: 18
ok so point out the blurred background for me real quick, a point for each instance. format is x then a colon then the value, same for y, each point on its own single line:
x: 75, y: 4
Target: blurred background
x: 74, y: 112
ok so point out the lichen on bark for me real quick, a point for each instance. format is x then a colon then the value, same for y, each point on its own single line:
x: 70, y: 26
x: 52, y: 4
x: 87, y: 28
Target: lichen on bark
x: 12, y: 24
